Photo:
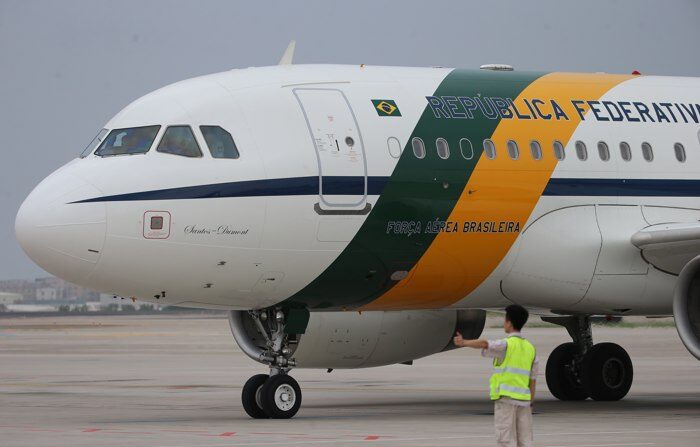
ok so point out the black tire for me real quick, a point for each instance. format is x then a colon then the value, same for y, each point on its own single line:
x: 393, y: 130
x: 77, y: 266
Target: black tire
x: 273, y: 399
x: 252, y: 395
x: 561, y: 380
x: 607, y: 372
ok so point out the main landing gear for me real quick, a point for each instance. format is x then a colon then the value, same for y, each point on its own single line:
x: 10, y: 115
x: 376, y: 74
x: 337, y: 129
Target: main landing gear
x: 277, y: 395
x: 581, y: 369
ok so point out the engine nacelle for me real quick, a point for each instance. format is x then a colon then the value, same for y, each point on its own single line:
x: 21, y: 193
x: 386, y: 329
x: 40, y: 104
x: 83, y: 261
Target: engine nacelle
x: 686, y: 306
x: 361, y: 340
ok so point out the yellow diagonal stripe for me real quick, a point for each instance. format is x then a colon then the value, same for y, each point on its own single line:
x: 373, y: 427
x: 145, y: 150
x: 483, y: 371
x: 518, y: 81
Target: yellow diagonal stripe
x: 498, y: 190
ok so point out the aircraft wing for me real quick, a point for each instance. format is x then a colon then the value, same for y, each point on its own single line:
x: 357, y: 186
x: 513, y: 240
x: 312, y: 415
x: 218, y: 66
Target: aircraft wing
x: 669, y: 247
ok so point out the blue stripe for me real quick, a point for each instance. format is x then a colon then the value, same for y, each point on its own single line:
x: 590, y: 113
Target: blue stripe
x: 622, y: 187
x: 348, y: 185
x: 294, y: 186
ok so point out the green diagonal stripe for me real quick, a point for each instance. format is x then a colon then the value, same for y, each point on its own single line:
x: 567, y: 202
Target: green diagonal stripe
x: 418, y: 190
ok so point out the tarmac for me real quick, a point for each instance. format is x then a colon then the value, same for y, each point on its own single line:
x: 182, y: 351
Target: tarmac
x: 175, y: 381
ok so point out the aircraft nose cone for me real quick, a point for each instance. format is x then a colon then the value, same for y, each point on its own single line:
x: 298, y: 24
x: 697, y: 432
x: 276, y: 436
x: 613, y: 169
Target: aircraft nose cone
x: 62, y: 237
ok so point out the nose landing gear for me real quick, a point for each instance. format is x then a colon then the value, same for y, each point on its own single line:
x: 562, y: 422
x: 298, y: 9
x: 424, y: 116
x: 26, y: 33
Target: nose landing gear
x: 277, y: 395
x: 578, y: 370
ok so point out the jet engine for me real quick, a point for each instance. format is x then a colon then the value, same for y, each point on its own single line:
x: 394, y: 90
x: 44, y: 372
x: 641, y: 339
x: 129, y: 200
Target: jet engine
x: 360, y: 339
x: 686, y: 306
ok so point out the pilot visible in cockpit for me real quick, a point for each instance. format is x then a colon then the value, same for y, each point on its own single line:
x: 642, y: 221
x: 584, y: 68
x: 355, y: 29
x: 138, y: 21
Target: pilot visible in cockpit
x: 135, y: 142
x: 218, y: 150
x: 179, y: 140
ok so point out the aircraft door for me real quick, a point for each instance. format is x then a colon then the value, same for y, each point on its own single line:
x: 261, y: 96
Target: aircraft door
x: 339, y: 149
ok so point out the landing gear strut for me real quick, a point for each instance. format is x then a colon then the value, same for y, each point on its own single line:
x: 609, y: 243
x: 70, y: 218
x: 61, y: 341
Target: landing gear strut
x: 578, y: 370
x: 277, y: 395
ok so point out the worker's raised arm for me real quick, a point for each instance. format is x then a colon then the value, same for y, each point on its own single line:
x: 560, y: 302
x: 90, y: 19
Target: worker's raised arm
x: 462, y: 343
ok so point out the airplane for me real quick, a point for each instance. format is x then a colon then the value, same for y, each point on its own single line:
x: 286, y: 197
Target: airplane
x: 352, y: 216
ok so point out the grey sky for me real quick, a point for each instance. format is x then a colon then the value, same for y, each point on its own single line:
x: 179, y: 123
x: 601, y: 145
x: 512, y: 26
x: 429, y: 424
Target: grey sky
x: 67, y: 67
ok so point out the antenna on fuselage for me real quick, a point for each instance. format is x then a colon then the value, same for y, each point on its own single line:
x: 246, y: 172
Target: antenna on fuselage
x: 288, y: 54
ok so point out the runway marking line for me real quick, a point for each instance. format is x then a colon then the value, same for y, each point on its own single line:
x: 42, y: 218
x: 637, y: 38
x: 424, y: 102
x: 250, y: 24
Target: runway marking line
x: 276, y: 433
x: 397, y: 439
x: 124, y: 432
x: 182, y: 431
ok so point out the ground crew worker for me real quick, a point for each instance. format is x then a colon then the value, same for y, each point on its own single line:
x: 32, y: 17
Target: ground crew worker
x: 513, y: 380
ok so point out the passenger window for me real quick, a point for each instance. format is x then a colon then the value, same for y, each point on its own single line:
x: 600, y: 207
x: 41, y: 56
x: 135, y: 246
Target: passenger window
x: 647, y: 152
x: 179, y: 140
x: 680, y: 152
x: 443, y: 149
x: 603, y: 151
x: 394, y: 147
x: 465, y: 146
x: 581, y: 151
x: 559, y: 153
x: 93, y: 144
x: 535, y: 150
x: 418, y: 147
x: 513, y: 151
x: 134, y: 140
x: 489, y: 149
x: 220, y: 142
x: 625, y: 151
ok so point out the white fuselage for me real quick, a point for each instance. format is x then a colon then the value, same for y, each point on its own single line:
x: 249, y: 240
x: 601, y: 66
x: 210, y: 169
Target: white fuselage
x: 249, y: 244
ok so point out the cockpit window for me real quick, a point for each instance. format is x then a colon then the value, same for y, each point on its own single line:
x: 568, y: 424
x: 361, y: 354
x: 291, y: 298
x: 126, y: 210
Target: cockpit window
x: 134, y: 140
x: 179, y: 140
x: 93, y: 144
x: 220, y: 142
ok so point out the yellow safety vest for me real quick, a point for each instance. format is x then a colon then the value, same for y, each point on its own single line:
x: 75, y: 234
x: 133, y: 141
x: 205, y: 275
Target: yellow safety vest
x: 511, y: 377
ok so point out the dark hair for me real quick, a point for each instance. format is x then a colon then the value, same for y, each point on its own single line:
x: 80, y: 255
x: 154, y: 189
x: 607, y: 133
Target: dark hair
x: 517, y: 315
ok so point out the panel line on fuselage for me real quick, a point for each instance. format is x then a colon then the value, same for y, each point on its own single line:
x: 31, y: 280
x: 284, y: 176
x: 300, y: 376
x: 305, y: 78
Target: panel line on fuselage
x: 303, y: 186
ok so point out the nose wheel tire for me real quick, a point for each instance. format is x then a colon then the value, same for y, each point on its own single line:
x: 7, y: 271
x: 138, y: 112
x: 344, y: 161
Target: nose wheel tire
x: 251, y: 396
x: 607, y: 372
x: 280, y: 397
x: 562, y: 380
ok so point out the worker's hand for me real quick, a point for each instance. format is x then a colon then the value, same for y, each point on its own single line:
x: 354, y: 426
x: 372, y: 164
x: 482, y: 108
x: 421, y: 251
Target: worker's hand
x: 458, y: 339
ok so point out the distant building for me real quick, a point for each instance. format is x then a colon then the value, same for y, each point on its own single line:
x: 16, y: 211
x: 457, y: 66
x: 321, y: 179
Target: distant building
x: 10, y: 298
x: 33, y: 290
x: 24, y: 287
x: 46, y: 294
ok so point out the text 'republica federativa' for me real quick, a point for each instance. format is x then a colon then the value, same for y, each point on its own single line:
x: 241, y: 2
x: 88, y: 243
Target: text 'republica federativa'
x: 496, y: 107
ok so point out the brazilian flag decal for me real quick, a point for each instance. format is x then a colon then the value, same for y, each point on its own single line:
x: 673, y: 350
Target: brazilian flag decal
x: 386, y: 107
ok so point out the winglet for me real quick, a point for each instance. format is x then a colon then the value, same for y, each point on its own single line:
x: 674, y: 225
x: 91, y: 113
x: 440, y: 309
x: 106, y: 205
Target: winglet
x: 288, y: 54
